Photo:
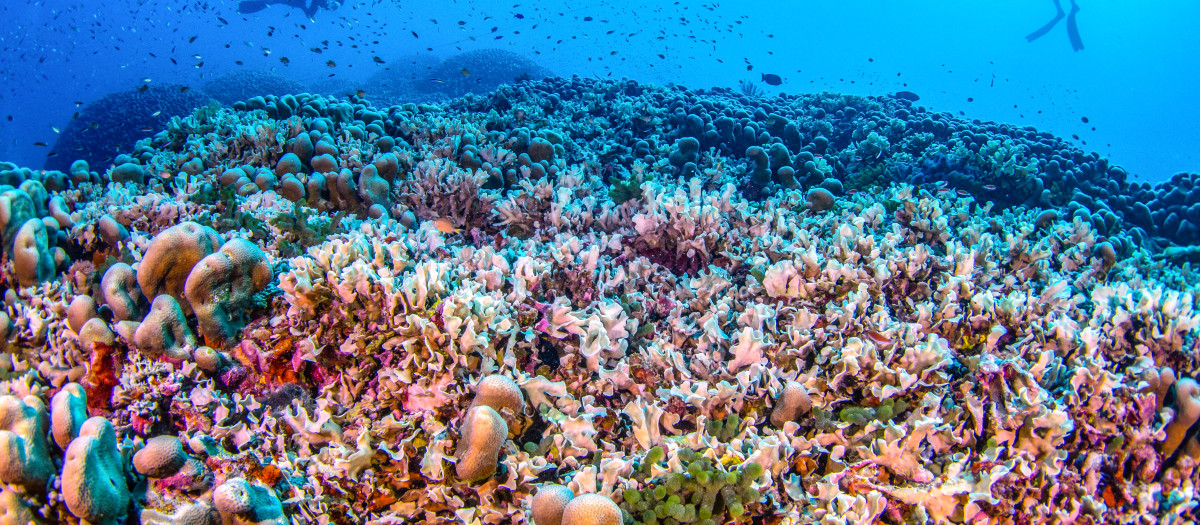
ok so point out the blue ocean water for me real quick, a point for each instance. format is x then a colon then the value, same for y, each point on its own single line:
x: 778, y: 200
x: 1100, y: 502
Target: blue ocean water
x: 1128, y: 94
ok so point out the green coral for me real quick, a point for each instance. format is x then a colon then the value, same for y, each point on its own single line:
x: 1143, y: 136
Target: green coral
x: 705, y: 493
x: 625, y: 190
x: 724, y: 429
x: 862, y: 416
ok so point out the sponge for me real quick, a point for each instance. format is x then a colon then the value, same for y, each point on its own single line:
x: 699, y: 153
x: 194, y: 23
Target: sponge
x: 24, y: 455
x: 478, y: 450
x: 223, y: 284
x: 549, y: 503
x: 592, y: 509
x: 93, y: 476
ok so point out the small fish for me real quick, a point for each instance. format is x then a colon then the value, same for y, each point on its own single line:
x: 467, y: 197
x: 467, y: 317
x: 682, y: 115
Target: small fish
x: 465, y: 72
x: 285, y: 60
x: 415, y: 35
x: 55, y: 129
x: 156, y: 113
x: 331, y: 63
x: 1084, y: 119
x: 193, y: 39
x: 963, y: 193
x: 907, y: 95
x: 378, y: 60
x: 360, y: 93
x: 438, y: 80
x: 143, y: 88
x: 42, y: 144
x: 444, y: 225
x: 989, y: 187
x: 772, y: 79
x: 184, y: 89
x: 879, y: 338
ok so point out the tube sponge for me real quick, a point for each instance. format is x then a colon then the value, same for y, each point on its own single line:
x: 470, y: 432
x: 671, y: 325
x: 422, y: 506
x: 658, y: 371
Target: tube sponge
x: 793, y: 402
x: 24, y: 455
x: 224, y: 283
x: 500, y: 393
x: 241, y: 503
x: 164, y: 331
x: 68, y: 412
x: 1187, y: 411
x: 549, y: 503
x: 93, y: 476
x: 478, y: 450
x: 592, y: 509
x: 169, y: 259
x: 33, y: 260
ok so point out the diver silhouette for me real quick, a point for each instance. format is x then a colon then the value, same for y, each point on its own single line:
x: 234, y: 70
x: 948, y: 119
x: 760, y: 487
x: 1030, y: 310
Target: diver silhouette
x: 310, y: 7
x: 1072, y: 28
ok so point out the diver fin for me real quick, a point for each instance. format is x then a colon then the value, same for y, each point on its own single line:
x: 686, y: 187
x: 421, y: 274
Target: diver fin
x: 251, y: 6
x: 1073, y: 29
x: 1049, y: 25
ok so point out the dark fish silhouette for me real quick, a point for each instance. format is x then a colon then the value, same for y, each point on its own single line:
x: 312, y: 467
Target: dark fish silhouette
x: 771, y: 79
x: 907, y: 95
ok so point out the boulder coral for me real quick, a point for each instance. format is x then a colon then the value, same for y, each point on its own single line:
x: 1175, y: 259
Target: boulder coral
x: 170, y: 257
x: 483, y: 432
x: 93, y: 475
x: 240, y: 502
x: 119, y: 288
x: 501, y: 394
x: 33, y: 259
x: 24, y: 454
x: 223, y: 284
x: 548, y: 505
x: 161, y: 457
x: 68, y: 413
x: 592, y: 509
x: 164, y: 331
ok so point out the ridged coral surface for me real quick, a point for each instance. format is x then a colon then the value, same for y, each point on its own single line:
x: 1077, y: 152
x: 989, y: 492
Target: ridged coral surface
x: 694, y: 307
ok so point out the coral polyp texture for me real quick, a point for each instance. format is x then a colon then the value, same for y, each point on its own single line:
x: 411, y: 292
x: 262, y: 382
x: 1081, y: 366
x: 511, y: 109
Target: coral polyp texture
x: 581, y: 301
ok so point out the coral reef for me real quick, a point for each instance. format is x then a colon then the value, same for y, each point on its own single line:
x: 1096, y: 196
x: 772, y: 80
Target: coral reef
x: 110, y: 125
x: 584, y: 301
